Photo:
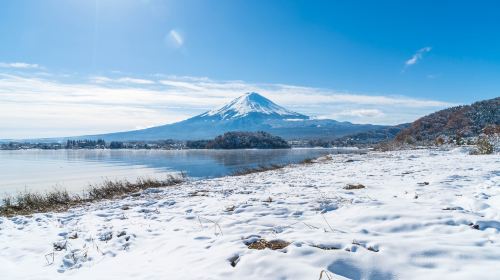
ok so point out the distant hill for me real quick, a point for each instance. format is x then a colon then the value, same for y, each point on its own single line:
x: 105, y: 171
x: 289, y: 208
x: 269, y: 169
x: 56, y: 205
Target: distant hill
x: 371, y: 136
x: 241, y: 140
x: 365, y: 138
x: 461, y: 121
x: 249, y: 112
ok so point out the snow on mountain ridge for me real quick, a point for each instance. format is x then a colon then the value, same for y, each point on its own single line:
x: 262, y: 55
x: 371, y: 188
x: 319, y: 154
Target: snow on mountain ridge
x: 252, y: 102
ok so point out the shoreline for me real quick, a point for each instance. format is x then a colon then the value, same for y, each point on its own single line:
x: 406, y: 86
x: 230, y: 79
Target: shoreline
x: 74, y: 170
x: 190, y: 149
x: 63, y: 200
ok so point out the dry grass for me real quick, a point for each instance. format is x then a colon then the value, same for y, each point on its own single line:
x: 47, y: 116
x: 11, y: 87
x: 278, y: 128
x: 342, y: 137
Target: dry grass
x: 59, y: 200
x: 110, y: 189
x: 307, y: 161
x: 327, y: 275
x: 199, y: 193
x: 258, y: 169
x: 263, y: 168
x: 387, y: 146
x: 268, y: 200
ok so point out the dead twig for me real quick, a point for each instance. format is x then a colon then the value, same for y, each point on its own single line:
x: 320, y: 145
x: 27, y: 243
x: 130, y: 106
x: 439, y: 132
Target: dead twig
x: 326, y: 221
x: 47, y: 259
x: 216, y: 225
x: 327, y: 275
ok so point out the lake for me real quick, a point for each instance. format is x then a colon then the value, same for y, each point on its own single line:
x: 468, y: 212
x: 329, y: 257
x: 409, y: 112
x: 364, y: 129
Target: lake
x: 74, y: 170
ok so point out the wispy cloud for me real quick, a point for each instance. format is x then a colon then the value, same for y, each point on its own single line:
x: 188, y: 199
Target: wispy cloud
x: 433, y: 76
x: 20, y: 65
x: 122, y: 80
x: 417, y: 56
x: 38, y: 106
x: 362, y: 113
x: 176, y: 38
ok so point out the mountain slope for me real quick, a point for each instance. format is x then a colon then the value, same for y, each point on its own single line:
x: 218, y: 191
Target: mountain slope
x: 249, y: 112
x: 465, y: 121
x: 371, y: 136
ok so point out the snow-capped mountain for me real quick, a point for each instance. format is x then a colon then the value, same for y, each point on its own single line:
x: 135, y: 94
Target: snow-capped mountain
x: 252, y: 103
x: 249, y: 112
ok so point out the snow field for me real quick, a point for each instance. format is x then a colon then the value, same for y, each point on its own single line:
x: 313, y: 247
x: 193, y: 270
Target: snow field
x: 423, y: 214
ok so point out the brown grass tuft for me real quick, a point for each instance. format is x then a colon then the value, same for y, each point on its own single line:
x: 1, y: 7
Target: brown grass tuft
x: 307, y: 161
x: 258, y: 169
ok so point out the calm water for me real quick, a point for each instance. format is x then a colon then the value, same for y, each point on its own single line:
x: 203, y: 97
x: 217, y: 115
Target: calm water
x: 40, y: 170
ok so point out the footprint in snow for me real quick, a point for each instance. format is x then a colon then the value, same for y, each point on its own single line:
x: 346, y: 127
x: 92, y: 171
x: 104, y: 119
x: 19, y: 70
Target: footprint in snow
x: 202, y: 238
x: 352, y: 270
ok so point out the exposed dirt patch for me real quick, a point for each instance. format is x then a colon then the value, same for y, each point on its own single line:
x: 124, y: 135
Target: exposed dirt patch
x: 262, y: 244
x: 354, y: 186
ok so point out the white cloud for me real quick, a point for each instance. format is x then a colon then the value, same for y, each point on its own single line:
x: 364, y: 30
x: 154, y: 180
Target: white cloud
x: 135, y: 81
x: 183, y: 78
x: 355, y: 114
x: 176, y: 38
x: 101, y: 80
x: 181, y: 85
x: 123, y: 80
x: 360, y: 113
x: 417, y: 56
x: 34, y: 106
x: 20, y: 65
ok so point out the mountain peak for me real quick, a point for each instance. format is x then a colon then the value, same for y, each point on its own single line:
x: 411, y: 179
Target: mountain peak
x: 252, y: 103
x: 253, y: 95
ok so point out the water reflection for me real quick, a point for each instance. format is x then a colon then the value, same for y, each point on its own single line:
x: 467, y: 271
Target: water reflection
x: 75, y: 169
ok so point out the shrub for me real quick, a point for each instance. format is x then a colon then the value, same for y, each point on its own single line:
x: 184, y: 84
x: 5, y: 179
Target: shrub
x: 440, y: 141
x: 483, y: 147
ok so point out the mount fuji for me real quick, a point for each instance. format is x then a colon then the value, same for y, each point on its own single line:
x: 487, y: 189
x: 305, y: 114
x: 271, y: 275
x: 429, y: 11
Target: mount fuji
x: 249, y: 112
x: 252, y: 105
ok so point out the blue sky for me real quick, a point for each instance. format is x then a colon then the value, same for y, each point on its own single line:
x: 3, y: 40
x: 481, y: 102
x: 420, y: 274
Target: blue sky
x: 363, y: 61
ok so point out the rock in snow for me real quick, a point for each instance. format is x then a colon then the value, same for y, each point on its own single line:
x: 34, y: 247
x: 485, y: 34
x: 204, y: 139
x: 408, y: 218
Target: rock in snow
x: 451, y: 231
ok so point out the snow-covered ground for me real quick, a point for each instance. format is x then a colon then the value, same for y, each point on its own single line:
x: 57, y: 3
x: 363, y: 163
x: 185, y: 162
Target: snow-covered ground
x: 423, y: 215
